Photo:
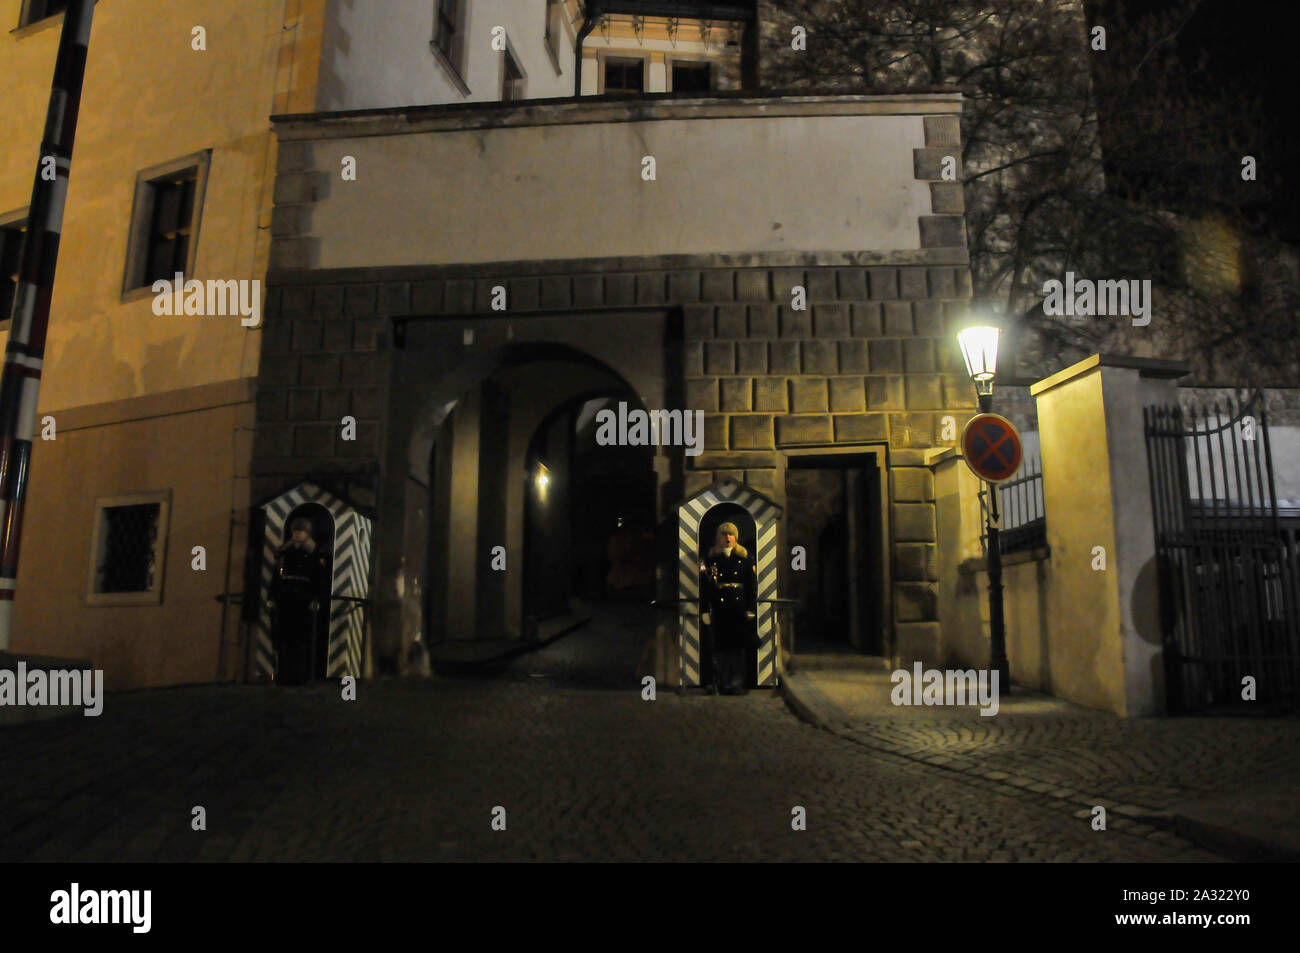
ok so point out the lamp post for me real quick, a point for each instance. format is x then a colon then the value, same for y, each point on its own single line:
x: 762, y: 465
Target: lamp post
x: 979, y: 349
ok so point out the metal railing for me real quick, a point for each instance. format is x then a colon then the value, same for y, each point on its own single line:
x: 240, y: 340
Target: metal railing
x: 1024, y: 519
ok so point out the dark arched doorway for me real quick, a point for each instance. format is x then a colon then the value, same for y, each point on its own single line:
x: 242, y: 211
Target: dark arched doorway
x: 589, y: 523
x: 521, y: 503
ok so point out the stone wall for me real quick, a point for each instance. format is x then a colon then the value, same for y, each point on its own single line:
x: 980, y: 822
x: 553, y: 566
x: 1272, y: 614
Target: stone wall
x: 871, y: 361
x: 320, y: 362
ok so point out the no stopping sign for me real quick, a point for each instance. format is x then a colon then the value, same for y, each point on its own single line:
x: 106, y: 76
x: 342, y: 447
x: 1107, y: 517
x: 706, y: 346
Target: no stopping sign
x: 991, y: 447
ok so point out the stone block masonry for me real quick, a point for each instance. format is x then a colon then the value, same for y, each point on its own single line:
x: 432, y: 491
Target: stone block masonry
x: 870, y: 361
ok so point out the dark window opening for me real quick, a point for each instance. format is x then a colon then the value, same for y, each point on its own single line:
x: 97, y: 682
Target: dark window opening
x: 41, y: 9
x: 512, y: 80
x: 692, y: 77
x: 11, y: 239
x: 625, y: 76
x: 169, y: 225
x: 446, y: 30
x: 129, y: 551
x: 554, y: 26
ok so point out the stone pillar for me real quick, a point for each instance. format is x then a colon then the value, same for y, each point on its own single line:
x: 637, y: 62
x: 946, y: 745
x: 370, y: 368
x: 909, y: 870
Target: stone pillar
x: 1097, y: 498
x: 464, y: 562
x: 494, y: 498
x: 963, y: 604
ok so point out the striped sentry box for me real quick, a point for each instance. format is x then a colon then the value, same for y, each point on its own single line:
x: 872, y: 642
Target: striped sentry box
x: 351, y: 577
x: 690, y: 514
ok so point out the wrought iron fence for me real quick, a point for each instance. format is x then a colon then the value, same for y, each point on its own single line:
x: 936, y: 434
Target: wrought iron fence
x: 1024, y: 520
x: 1227, y: 555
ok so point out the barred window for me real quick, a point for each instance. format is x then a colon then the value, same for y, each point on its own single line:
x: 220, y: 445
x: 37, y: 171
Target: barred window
x: 128, y: 549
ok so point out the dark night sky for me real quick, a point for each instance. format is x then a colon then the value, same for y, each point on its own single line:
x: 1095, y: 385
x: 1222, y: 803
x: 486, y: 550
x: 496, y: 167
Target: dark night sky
x: 1249, y: 47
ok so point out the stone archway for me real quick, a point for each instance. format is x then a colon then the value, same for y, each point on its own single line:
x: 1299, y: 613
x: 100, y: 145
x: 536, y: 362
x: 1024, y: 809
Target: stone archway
x: 467, y: 500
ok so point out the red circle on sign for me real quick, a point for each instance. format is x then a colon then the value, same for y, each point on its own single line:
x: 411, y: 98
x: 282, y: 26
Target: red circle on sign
x: 991, y: 447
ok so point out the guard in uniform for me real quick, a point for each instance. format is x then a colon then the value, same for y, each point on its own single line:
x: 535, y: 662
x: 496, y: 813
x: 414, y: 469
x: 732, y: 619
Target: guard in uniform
x: 301, y: 577
x: 728, y: 594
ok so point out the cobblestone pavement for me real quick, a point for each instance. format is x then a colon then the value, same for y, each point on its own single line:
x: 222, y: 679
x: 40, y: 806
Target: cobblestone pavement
x: 562, y: 740
x: 1244, y: 771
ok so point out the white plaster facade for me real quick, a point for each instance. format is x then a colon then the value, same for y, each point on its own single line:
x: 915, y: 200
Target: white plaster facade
x: 729, y: 177
x: 378, y: 54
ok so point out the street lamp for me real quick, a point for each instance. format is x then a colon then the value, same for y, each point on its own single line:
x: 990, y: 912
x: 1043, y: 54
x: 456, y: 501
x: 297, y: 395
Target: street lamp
x: 979, y: 349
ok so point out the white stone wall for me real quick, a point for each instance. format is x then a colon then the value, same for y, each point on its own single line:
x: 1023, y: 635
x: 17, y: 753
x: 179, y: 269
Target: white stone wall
x: 747, y: 181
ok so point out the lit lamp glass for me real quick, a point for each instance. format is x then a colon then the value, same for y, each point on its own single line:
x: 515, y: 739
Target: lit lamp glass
x: 543, y: 479
x: 979, y: 349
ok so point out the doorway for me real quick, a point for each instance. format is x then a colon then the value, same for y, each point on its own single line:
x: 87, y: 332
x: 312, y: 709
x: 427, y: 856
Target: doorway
x: 834, y: 513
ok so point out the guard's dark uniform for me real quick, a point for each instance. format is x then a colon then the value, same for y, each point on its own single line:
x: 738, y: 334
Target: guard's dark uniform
x: 728, y: 591
x: 300, y: 578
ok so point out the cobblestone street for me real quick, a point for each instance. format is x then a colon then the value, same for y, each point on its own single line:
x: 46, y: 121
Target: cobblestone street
x: 562, y: 740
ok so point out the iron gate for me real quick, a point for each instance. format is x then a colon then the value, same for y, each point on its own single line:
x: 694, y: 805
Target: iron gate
x: 1227, y: 558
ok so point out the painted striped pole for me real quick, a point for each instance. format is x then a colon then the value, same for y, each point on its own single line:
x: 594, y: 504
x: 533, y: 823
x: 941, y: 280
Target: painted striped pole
x: 37, y: 256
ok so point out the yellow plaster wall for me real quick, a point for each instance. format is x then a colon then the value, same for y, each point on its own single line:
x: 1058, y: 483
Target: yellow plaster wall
x: 150, y: 98
x: 194, y: 455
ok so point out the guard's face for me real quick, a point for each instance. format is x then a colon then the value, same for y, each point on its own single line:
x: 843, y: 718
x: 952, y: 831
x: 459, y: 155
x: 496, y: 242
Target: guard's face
x: 729, y: 539
x: 300, y: 536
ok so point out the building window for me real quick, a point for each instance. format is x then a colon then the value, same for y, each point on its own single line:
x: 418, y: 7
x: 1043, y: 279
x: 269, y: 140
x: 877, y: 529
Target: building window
x: 512, y: 78
x: 692, y: 78
x: 625, y: 76
x: 165, y: 221
x: 128, y: 547
x: 554, y: 27
x: 36, y: 10
x: 11, y: 238
x: 449, y: 38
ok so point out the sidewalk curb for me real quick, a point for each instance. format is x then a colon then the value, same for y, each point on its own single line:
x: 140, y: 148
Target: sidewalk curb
x: 1231, y: 843
x: 808, y: 704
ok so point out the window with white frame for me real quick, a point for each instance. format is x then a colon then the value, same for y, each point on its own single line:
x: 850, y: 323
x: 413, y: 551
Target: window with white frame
x: 127, y: 549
